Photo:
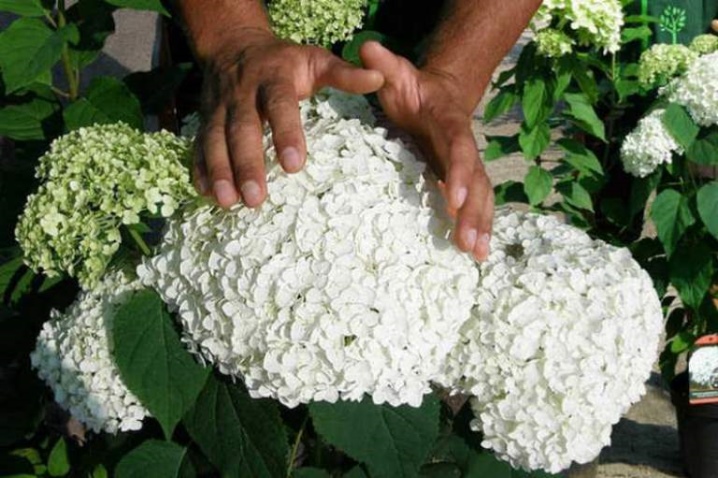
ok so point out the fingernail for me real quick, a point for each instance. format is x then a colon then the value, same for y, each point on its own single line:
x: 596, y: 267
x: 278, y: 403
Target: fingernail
x: 470, y: 238
x: 291, y: 160
x: 482, y: 247
x: 225, y: 193
x: 251, y: 193
x: 461, y: 195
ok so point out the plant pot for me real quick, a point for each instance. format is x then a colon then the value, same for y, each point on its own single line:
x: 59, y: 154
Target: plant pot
x: 697, y: 431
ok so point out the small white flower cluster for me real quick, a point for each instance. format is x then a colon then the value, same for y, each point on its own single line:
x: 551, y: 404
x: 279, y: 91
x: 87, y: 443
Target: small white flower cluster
x: 73, y: 357
x: 703, y: 365
x: 553, y: 43
x: 593, y: 23
x: 697, y: 90
x: 648, y: 146
x: 559, y: 345
x: 317, y: 22
x: 661, y: 63
x: 344, y: 283
x: 705, y: 44
x: 93, y: 180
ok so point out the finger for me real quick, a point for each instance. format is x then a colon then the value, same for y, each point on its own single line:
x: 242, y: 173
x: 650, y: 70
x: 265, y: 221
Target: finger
x: 199, y: 169
x: 463, y: 156
x: 473, y: 229
x: 216, y: 158
x: 375, y: 56
x: 281, y: 107
x: 344, y: 76
x: 244, y: 137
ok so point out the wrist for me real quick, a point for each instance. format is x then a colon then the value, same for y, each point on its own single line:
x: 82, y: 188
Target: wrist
x: 463, y: 92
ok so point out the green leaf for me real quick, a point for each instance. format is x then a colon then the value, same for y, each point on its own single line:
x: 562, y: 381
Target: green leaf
x: 487, y: 465
x: 440, y: 470
x: 629, y: 35
x: 680, y: 125
x: 580, y: 157
x: 534, y: 141
x: 575, y: 194
x: 151, y: 5
x: 672, y: 216
x: 537, y: 185
x: 510, y: 191
x: 107, y: 100
x: 152, y: 361
x: 691, y: 271
x: 393, y: 442
x: 704, y: 149
x: 95, y: 23
x: 586, y: 81
x: 310, y: 473
x: 241, y: 436
x: 28, y: 50
x: 616, y: 211
x: 500, y: 104
x: 356, y: 472
x: 534, y: 101
x: 682, y: 342
x: 707, y: 199
x: 58, y: 464
x: 583, y: 115
x: 500, y: 146
x: 8, y: 271
x: 25, y: 8
x: 350, y: 52
x: 28, y: 121
x: 641, y: 190
x: 158, y: 459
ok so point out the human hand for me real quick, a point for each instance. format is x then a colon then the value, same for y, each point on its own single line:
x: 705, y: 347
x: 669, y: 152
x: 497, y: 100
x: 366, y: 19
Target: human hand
x: 250, y: 77
x: 430, y: 106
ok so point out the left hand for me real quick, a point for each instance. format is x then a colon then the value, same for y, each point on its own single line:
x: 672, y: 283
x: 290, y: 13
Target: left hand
x: 430, y: 106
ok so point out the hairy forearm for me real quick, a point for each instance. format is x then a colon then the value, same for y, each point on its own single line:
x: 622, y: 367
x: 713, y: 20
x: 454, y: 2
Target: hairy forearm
x: 473, y: 38
x: 210, y: 23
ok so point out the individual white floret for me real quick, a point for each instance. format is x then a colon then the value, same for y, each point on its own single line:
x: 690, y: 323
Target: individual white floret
x: 344, y: 283
x: 73, y: 356
x: 559, y: 345
x: 648, y: 146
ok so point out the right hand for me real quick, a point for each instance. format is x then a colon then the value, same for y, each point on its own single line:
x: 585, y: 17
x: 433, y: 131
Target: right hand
x: 252, y: 77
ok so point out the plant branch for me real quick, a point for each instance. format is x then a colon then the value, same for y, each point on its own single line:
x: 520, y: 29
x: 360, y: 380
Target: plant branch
x: 295, y: 447
x: 137, y: 237
x: 70, y: 74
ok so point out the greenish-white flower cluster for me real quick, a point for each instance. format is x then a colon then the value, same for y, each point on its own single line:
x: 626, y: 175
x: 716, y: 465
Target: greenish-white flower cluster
x: 553, y: 43
x: 93, y: 181
x: 704, y: 44
x: 593, y: 23
x: 648, y: 146
x: 662, y: 62
x: 317, y: 22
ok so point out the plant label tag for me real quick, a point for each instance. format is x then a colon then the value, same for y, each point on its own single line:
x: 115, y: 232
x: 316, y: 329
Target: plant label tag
x: 703, y: 371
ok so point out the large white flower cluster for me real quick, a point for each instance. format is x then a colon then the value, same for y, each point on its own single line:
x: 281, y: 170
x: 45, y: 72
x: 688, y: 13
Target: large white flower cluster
x: 593, y: 23
x: 93, y: 181
x: 703, y: 365
x: 344, y: 283
x: 318, y: 22
x: 561, y: 340
x: 73, y: 357
x: 697, y: 90
x: 648, y: 146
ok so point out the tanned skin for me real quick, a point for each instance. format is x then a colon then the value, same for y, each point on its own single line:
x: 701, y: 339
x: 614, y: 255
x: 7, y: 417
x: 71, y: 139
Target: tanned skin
x: 251, y: 77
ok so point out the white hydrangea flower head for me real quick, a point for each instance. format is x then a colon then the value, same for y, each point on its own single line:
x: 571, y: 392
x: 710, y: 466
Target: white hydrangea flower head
x: 703, y: 365
x: 343, y: 283
x: 559, y: 345
x: 661, y: 63
x: 705, y: 44
x: 553, y: 43
x: 93, y: 181
x: 594, y: 23
x: 648, y: 146
x: 317, y: 22
x: 697, y: 90
x: 73, y: 356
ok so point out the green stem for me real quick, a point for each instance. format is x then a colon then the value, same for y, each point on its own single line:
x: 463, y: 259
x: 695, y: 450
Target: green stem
x: 137, y: 237
x: 295, y: 447
x: 644, y: 13
x: 73, y: 82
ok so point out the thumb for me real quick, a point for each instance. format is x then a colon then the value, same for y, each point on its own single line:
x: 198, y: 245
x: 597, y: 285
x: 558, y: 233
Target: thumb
x: 375, y: 56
